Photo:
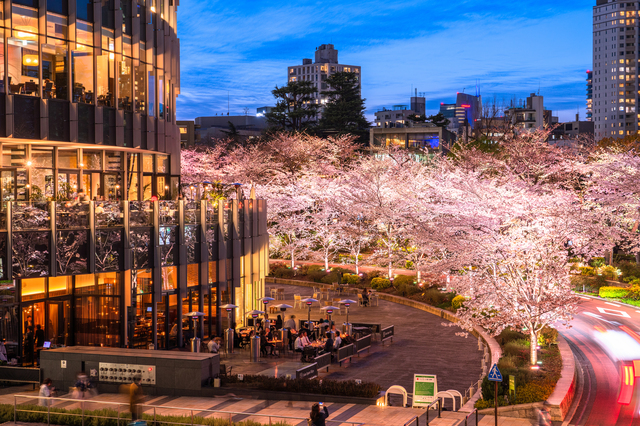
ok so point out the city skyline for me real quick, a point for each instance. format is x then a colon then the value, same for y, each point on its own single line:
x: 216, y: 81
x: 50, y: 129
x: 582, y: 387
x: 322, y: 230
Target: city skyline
x: 510, y: 51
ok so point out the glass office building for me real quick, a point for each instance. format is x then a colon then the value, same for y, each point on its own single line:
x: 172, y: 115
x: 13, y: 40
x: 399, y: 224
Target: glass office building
x: 87, y: 106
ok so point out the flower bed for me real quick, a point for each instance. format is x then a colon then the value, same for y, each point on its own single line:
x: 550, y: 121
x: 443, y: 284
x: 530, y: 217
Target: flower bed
x: 531, y: 385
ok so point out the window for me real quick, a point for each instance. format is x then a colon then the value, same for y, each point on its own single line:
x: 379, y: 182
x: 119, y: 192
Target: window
x: 82, y: 60
x: 141, y: 89
x: 84, y: 10
x: 106, y: 81
x: 54, y: 69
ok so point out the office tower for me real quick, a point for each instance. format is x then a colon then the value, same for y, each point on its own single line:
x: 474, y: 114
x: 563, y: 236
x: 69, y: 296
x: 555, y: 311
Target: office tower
x: 615, y: 68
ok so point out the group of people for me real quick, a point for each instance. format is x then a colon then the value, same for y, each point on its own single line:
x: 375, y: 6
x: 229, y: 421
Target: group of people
x: 327, y: 334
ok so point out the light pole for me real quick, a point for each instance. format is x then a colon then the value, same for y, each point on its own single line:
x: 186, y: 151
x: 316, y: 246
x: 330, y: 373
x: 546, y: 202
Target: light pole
x: 230, y: 331
x: 347, y: 303
x: 309, y: 301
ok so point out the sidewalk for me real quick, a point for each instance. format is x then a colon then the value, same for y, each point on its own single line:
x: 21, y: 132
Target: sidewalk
x: 240, y: 409
x: 350, y: 266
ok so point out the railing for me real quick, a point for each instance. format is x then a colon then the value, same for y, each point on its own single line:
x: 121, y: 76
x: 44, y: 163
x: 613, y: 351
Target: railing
x: 414, y: 419
x: 125, y: 420
x: 439, y: 402
x: 475, y: 410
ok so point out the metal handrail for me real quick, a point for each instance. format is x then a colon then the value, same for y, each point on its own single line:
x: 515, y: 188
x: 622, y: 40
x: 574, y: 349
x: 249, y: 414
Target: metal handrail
x: 154, y: 407
x: 439, y: 402
x: 475, y: 410
x: 416, y: 418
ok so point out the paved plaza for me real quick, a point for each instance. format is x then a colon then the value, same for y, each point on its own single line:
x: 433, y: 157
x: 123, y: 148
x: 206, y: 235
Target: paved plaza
x: 421, y: 345
x: 239, y: 409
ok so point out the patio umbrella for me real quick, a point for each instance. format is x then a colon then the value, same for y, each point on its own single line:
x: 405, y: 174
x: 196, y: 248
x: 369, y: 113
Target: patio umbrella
x: 309, y: 301
x: 254, y: 314
x: 329, y: 310
x: 346, y: 303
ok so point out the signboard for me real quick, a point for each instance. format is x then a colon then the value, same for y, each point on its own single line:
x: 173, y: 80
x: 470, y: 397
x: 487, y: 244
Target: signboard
x: 308, y: 372
x: 494, y: 374
x: 512, y: 386
x: 386, y: 333
x: 425, y: 388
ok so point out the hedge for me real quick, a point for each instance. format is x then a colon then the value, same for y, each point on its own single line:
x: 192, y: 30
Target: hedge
x: 380, y: 283
x: 613, y: 292
x: 322, y: 387
x: 61, y: 416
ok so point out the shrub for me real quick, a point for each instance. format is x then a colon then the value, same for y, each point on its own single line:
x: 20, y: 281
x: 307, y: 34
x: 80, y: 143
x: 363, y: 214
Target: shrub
x: 283, y: 273
x: 634, y: 291
x: 509, y: 335
x: 548, y: 336
x: 457, y: 302
x: 324, y: 387
x: 404, y: 279
x: 517, y: 348
x: 587, y: 271
x: 330, y: 278
x: 629, y: 269
x: 613, y: 292
x: 433, y: 297
x: 609, y: 272
x: 406, y: 290
x: 380, y: 283
x: 533, y: 392
x: 351, y: 279
x: 597, y: 262
x: 316, y: 276
x: 508, y: 362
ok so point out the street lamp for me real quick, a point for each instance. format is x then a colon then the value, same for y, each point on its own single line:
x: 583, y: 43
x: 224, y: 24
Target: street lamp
x: 230, y: 331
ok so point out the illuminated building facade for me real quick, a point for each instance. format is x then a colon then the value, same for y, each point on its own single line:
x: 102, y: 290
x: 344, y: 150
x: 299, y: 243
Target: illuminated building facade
x: 95, y: 247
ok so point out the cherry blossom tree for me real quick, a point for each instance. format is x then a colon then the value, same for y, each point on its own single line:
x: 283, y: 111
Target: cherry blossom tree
x: 511, y: 244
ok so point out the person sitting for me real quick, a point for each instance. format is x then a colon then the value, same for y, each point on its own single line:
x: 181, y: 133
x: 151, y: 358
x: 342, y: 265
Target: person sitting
x: 338, y: 342
x: 214, y: 345
x: 264, y: 344
x: 299, y: 343
x: 365, y: 297
x: 347, y: 340
x: 328, y: 345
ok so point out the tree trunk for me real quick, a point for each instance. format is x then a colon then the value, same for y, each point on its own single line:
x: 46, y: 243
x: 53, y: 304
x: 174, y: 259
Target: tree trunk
x: 390, y: 270
x: 357, y: 272
x: 326, y: 263
x: 534, y: 345
x: 418, y: 276
x: 293, y: 261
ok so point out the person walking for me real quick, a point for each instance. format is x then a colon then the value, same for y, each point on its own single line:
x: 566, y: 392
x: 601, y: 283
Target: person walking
x: 318, y: 418
x: 544, y: 418
x: 135, y: 398
x: 46, y: 391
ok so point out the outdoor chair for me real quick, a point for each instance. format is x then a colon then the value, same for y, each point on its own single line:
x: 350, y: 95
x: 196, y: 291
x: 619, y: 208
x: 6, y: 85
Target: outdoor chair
x: 297, y: 299
x: 360, y: 300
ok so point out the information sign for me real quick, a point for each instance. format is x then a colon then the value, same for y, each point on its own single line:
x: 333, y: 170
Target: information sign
x: 425, y: 388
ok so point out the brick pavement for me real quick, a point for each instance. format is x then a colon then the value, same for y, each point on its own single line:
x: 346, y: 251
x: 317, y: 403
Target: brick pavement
x: 240, y: 409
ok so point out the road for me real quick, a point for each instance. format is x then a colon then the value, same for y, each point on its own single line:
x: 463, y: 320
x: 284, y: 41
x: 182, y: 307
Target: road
x: 605, y: 338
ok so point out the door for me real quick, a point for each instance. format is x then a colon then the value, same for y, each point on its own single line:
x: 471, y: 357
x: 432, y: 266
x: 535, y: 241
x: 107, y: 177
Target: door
x: 91, y: 185
x: 58, y: 329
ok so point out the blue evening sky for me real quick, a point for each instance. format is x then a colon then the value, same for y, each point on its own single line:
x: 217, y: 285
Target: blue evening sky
x: 241, y: 50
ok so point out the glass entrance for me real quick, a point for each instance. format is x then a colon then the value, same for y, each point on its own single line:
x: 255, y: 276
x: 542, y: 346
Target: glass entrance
x: 67, y: 185
x: 58, y: 330
x: 91, y: 185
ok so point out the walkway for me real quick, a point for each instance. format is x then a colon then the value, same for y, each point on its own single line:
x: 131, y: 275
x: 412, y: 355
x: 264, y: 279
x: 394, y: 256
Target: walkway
x: 250, y: 409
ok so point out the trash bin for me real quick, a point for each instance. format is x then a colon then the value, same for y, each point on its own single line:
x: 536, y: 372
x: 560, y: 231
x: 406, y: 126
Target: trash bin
x: 255, y: 349
x: 195, y: 344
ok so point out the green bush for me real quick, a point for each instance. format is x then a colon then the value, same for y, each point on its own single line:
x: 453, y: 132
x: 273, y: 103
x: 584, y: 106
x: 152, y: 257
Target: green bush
x: 517, y: 348
x: 380, y: 284
x: 351, y: 279
x: 316, y: 276
x: 404, y: 280
x: 597, y: 262
x: 509, y: 335
x: 533, y: 392
x: 283, y: 272
x: 457, y: 302
x: 633, y: 292
x: 629, y: 269
x: 406, y: 290
x: 587, y: 271
x: 64, y: 417
x: 548, y: 336
x: 609, y: 272
x: 330, y: 278
x: 323, y: 387
x: 613, y: 292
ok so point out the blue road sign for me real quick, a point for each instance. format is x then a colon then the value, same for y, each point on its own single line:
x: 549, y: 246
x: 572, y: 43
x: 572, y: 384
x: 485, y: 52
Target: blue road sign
x: 494, y: 374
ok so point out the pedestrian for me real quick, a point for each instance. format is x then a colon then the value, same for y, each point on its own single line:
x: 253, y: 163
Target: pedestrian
x: 28, y: 346
x: 290, y: 325
x: 544, y: 418
x: 3, y: 352
x: 46, y: 391
x: 318, y: 417
x: 39, y: 336
x: 135, y: 398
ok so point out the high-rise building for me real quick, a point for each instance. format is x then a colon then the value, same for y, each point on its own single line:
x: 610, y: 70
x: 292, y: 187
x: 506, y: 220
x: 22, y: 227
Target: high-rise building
x: 463, y: 114
x: 615, y: 68
x: 95, y: 246
x: 589, y: 95
x: 325, y: 64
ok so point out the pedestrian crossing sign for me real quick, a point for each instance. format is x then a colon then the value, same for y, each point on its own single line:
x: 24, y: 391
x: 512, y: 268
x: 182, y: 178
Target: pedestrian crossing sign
x: 494, y: 374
